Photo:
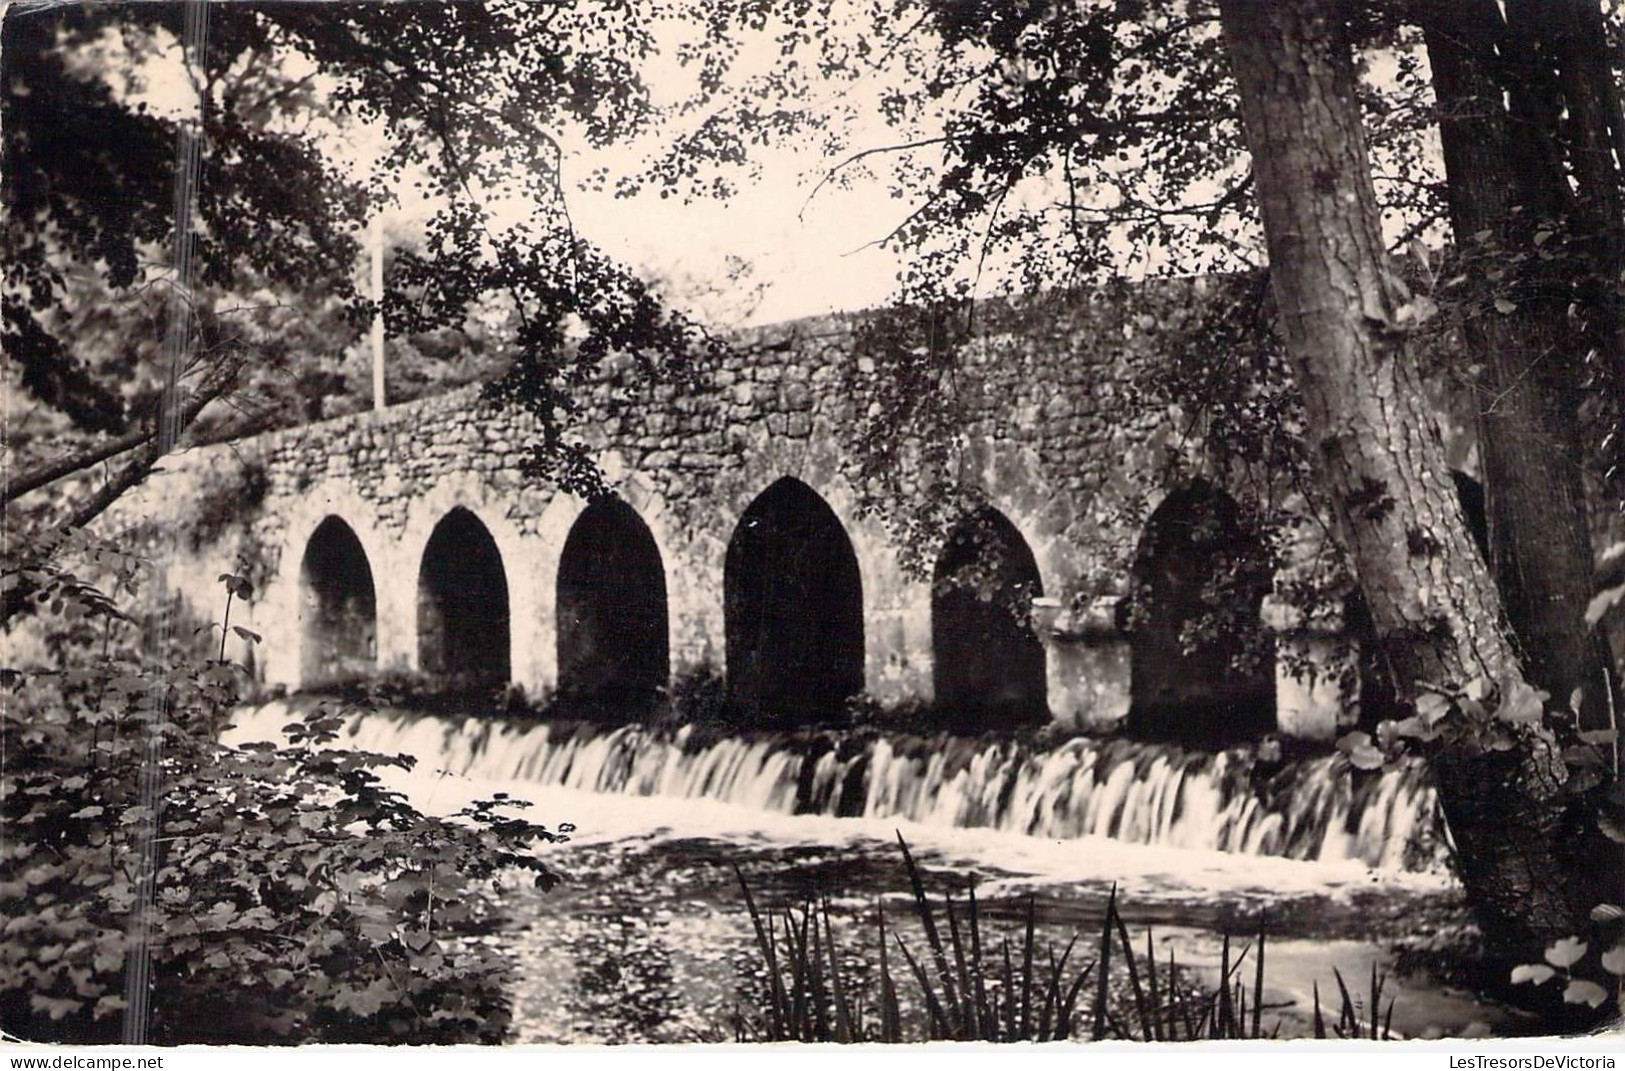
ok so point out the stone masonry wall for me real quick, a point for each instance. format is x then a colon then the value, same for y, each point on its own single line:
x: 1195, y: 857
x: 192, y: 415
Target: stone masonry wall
x: 1045, y: 441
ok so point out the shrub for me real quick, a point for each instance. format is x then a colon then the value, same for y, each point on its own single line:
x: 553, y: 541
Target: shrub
x: 910, y: 717
x: 422, y: 693
x: 295, y: 896
x: 698, y: 696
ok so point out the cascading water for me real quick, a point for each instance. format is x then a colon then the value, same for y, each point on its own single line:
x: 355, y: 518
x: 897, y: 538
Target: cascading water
x: 1136, y: 792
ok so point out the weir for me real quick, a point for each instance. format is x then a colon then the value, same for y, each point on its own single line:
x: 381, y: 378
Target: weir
x: 1142, y: 793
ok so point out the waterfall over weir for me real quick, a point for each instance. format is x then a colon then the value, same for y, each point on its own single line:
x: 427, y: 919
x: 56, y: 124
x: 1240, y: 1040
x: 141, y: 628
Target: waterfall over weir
x: 1154, y: 794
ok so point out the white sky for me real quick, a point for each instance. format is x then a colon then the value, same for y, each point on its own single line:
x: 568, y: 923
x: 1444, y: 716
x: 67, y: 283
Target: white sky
x: 800, y: 256
x: 807, y: 261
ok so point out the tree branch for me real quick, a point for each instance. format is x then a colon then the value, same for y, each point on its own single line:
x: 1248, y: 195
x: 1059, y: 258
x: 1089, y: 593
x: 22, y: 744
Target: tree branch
x: 860, y: 155
x: 220, y: 379
x: 51, y: 471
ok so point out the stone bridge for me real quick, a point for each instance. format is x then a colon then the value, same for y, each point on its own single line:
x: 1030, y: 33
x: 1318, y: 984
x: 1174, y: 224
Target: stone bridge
x: 743, y: 537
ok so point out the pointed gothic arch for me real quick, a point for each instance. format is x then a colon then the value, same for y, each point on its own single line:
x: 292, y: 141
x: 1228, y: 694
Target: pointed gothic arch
x: 338, y: 606
x: 988, y: 664
x: 463, y: 627
x: 613, y: 641
x: 1203, y: 665
x: 793, y: 608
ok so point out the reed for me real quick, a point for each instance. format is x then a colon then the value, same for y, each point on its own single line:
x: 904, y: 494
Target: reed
x: 966, y: 996
x: 970, y: 989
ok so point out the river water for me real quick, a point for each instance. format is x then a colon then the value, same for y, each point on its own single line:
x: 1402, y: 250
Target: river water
x: 648, y: 939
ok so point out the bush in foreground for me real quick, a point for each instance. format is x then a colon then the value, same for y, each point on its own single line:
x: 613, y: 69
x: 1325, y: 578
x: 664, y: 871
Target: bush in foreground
x: 296, y: 897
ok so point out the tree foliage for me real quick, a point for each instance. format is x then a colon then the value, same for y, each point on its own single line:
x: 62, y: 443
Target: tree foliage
x: 1040, y: 146
x: 460, y: 103
x: 297, y: 897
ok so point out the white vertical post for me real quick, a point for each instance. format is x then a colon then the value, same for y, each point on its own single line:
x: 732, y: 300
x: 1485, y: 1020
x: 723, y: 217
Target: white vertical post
x: 377, y: 243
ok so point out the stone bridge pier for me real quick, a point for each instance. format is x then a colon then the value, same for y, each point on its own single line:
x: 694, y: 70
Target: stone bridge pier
x: 1071, y: 586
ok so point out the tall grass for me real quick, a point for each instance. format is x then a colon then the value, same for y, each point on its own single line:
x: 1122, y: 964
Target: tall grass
x: 970, y: 989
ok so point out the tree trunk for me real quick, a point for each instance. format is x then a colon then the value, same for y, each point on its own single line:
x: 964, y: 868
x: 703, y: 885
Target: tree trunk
x: 1532, y: 379
x: 1566, y: 43
x: 1516, y: 815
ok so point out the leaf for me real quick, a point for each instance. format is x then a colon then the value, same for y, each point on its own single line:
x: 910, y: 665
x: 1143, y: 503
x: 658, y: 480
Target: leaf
x: 1521, y: 704
x: 1602, y: 602
x: 1581, y: 991
x: 1432, y: 707
x: 1576, y: 697
x: 363, y: 1002
x: 377, y: 932
x: 1390, y: 732
x: 1352, y: 741
x: 1565, y: 952
x: 1420, y: 253
x: 1478, y: 688
x: 1361, y: 754
x: 1366, y: 758
x: 1600, y: 737
x: 109, y: 1004
x: 1613, y: 960
x: 248, y: 634
x: 1607, y: 913
x: 1504, y: 307
x: 1536, y: 973
x: 1418, y: 310
x: 55, y: 1007
x: 1412, y: 727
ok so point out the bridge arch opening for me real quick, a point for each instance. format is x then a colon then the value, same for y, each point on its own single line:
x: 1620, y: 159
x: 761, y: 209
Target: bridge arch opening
x: 1203, y: 665
x: 988, y: 664
x: 613, y: 644
x: 463, y: 605
x: 793, y: 608
x: 338, y: 606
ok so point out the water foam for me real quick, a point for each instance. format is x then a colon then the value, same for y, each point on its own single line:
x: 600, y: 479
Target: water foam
x: 1119, y: 790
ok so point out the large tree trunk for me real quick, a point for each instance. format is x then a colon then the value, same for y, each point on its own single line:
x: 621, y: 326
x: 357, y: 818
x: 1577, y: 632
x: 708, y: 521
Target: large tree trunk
x: 1501, y: 184
x: 1517, y: 817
